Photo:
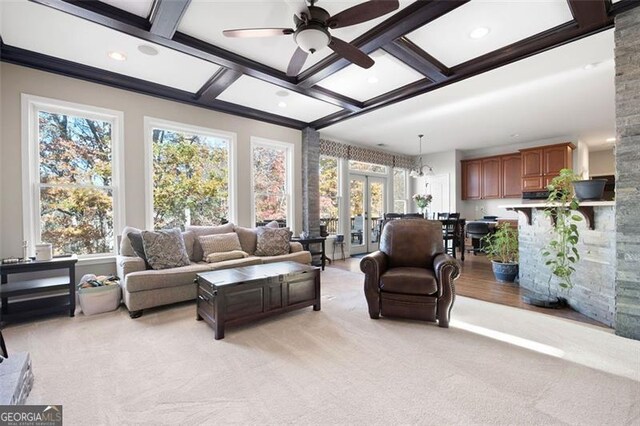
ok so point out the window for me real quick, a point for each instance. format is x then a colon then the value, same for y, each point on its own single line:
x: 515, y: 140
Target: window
x: 399, y: 191
x: 329, y: 194
x: 190, y: 181
x: 360, y: 166
x: 271, y: 164
x: 71, y: 170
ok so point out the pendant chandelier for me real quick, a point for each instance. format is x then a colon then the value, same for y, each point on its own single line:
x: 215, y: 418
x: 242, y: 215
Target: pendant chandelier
x: 420, y: 170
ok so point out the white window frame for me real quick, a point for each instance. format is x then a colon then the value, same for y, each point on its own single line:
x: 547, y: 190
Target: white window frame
x: 31, y: 106
x: 149, y: 124
x: 289, y: 150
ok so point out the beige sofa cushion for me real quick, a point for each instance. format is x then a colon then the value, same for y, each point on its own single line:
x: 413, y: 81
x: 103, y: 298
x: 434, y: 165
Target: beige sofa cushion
x: 189, y: 238
x: 235, y: 263
x: 125, y: 244
x: 206, y: 230
x: 248, y: 239
x: 225, y: 255
x: 219, y: 243
x: 300, y: 257
x: 154, y: 279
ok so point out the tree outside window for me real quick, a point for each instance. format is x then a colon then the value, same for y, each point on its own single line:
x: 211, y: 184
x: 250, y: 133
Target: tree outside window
x: 190, y: 178
x: 76, y: 202
x: 270, y: 183
x: 329, y: 191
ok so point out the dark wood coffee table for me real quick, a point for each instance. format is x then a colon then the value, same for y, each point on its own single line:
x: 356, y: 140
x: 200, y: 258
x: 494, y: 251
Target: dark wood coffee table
x: 240, y: 295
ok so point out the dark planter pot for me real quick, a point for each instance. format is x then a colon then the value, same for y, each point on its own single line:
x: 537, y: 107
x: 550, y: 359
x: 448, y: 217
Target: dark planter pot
x: 591, y: 189
x: 504, y: 272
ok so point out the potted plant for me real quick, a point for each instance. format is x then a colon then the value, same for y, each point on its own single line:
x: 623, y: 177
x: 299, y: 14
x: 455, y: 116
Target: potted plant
x: 502, y: 248
x: 562, y: 252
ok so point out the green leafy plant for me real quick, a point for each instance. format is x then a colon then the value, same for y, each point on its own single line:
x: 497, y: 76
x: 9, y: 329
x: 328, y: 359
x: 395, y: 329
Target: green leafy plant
x: 562, y: 252
x: 502, y: 245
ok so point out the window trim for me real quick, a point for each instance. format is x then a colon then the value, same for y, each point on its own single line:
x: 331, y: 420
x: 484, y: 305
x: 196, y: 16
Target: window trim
x: 289, y: 150
x: 152, y: 122
x: 31, y: 105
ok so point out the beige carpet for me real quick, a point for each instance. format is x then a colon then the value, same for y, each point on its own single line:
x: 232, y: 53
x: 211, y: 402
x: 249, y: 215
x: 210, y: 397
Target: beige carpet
x: 496, y: 365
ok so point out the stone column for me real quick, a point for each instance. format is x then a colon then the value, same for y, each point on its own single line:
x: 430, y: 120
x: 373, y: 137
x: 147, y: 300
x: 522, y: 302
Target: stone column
x: 310, y: 181
x: 627, y: 82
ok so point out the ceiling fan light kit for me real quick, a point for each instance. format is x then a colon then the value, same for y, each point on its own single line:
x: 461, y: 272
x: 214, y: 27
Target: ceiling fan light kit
x: 312, y: 34
x: 312, y: 37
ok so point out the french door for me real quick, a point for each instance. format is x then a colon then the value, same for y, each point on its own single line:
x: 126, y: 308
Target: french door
x: 367, y: 195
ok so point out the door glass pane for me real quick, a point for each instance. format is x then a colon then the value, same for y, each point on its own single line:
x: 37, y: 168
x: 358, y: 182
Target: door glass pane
x: 356, y: 208
x: 376, y: 209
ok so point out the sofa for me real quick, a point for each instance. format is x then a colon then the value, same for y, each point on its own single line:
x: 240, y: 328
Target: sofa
x: 144, y: 288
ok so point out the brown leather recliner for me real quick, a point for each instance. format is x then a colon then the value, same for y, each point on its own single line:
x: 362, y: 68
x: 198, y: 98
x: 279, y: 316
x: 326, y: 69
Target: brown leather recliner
x: 410, y: 276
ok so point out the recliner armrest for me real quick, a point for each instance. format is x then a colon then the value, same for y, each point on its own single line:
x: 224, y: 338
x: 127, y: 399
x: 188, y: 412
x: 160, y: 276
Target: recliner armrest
x: 447, y: 269
x: 374, y: 265
x: 442, y: 260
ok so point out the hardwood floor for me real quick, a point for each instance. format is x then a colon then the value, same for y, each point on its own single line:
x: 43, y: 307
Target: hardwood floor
x: 477, y: 281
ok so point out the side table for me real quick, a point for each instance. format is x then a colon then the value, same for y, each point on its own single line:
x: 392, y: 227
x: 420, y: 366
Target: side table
x: 55, y: 281
x: 306, y: 242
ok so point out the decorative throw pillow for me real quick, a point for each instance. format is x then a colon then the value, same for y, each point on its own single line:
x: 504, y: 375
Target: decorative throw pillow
x: 273, y: 224
x: 228, y: 255
x: 272, y: 241
x: 248, y: 239
x: 219, y: 243
x: 206, y: 230
x: 135, y: 239
x: 165, y: 249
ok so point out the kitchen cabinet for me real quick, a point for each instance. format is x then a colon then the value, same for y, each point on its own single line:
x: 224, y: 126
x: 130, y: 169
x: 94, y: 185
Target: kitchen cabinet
x: 511, y: 171
x: 531, y: 163
x: 491, y: 177
x: 471, y: 180
x: 540, y: 165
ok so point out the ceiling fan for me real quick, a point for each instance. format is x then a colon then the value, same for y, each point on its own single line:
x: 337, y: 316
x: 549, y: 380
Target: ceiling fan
x: 312, y: 25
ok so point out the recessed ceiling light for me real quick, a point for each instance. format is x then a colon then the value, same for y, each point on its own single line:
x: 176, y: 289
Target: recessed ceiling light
x: 282, y: 93
x: 372, y: 80
x: 381, y: 144
x: 117, y: 56
x: 148, y: 50
x: 282, y: 104
x: 515, y: 135
x: 479, y: 32
x: 611, y: 139
x: 591, y: 66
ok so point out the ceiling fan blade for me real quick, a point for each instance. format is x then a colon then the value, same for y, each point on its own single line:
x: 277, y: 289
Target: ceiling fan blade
x: 350, y: 52
x: 299, y: 7
x: 362, y: 13
x: 297, y: 62
x: 257, y: 32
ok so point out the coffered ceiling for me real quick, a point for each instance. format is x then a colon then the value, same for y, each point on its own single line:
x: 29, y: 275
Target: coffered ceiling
x: 422, y: 48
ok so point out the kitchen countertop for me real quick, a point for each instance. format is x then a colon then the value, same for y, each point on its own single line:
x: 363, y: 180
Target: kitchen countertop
x: 543, y: 204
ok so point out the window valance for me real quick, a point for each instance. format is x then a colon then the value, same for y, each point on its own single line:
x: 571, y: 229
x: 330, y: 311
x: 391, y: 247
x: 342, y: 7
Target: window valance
x: 353, y: 152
